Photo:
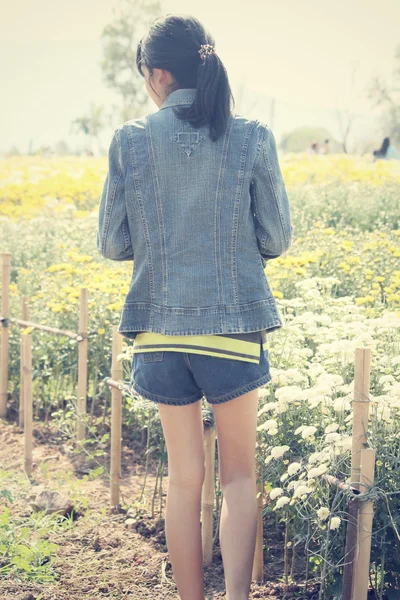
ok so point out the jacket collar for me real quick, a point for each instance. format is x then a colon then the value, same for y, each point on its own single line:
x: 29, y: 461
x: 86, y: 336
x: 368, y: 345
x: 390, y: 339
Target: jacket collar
x: 177, y: 97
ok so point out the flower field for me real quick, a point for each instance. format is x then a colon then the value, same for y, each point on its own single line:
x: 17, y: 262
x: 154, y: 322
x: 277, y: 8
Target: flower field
x: 338, y: 288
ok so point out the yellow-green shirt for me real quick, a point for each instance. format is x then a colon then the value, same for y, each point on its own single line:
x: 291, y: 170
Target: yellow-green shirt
x: 235, y: 346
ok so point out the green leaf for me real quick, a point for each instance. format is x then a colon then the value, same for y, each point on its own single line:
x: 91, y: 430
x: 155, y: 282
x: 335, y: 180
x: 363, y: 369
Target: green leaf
x: 7, y: 494
x: 21, y: 563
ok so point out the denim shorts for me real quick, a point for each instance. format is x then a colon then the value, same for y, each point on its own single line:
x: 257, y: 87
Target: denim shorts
x: 180, y: 378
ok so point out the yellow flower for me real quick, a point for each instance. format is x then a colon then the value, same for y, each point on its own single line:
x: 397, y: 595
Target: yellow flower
x: 101, y: 331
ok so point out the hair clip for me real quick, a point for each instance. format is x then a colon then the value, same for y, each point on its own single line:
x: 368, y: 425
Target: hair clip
x: 206, y: 49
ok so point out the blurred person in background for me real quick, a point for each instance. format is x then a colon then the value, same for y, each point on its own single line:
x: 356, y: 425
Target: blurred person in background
x: 387, y: 151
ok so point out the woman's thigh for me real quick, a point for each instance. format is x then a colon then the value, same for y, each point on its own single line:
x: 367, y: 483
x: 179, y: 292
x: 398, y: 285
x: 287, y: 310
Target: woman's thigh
x: 183, y: 432
x: 236, y: 423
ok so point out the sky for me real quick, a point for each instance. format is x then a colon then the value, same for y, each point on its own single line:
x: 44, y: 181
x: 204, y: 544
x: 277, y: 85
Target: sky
x: 304, y: 54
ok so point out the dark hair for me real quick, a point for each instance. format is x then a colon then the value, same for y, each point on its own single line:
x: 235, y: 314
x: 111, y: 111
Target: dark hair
x: 173, y: 43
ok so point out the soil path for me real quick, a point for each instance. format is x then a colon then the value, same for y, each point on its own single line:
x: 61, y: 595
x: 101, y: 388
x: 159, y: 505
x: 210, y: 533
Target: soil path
x: 99, y: 555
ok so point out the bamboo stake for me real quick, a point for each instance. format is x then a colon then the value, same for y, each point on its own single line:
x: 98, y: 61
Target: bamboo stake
x: 258, y: 562
x: 360, y: 410
x: 116, y: 419
x: 207, y: 500
x: 5, y: 296
x: 82, y: 365
x: 359, y: 441
x: 28, y: 404
x: 366, y: 515
x: 25, y: 315
x: 24, y: 324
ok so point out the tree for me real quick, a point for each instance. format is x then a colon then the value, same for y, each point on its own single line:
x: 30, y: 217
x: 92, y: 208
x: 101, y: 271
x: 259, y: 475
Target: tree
x: 388, y: 97
x: 346, y: 117
x: 61, y: 148
x: 90, y: 125
x: 120, y: 39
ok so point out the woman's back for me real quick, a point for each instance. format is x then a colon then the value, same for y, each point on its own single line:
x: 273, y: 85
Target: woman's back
x: 199, y: 218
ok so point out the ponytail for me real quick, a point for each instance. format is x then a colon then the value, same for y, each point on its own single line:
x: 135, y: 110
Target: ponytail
x: 173, y: 44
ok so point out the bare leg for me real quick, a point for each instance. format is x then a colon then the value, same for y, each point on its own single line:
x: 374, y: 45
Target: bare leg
x: 183, y: 432
x: 236, y: 431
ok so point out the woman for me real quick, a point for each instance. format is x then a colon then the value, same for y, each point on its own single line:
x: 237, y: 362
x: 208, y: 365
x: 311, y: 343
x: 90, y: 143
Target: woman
x: 194, y: 195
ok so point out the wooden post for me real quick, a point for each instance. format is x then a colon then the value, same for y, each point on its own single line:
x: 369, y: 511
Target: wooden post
x: 82, y: 365
x: 207, y: 496
x: 365, y: 518
x: 5, y: 295
x: 25, y: 317
x: 116, y: 420
x: 359, y: 442
x: 258, y: 562
x: 27, y: 345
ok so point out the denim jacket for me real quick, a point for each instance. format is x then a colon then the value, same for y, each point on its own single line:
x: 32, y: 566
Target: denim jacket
x: 199, y: 219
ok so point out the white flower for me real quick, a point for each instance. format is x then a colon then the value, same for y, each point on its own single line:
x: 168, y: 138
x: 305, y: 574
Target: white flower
x: 329, y: 379
x: 322, y: 456
x: 308, y: 432
x: 324, y: 389
x: 262, y: 392
x: 268, y: 406
x: 275, y: 493
x: 294, y: 375
x: 293, y: 468
x: 315, y: 401
x: 282, y: 501
x: 342, y: 403
x: 270, y: 424
x: 332, y: 437
x: 335, y: 523
x: 288, y: 393
x: 323, y: 513
x: 301, y: 490
x: 279, y: 451
x: 316, y: 471
x: 272, y: 432
x: 331, y: 428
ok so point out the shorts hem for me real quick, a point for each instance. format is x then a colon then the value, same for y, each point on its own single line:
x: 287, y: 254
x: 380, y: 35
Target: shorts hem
x: 240, y: 391
x: 164, y: 399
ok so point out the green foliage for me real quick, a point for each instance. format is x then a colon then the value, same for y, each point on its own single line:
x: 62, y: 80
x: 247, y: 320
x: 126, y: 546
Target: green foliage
x: 120, y: 40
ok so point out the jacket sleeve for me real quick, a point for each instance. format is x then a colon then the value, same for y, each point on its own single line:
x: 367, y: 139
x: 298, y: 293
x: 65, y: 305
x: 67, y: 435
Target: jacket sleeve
x: 269, y: 200
x: 113, y: 238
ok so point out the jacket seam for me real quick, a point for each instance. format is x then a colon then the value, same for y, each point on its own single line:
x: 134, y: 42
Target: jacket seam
x: 239, y: 188
x: 136, y: 182
x: 108, y: 212
x: 277, y: 199
x: 217, y: 230
x: 159, y: 217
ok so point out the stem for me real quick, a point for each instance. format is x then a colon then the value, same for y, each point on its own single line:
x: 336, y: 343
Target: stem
x: 155, y: 489
x: 286, y: 550
x: 325, y: 559
x: 147, y: 459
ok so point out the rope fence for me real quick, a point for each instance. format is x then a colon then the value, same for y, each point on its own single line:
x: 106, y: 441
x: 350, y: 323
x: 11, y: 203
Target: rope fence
x: 25, y: 404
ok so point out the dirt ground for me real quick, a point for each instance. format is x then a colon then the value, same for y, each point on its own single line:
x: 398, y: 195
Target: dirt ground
x: 100, y: 556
